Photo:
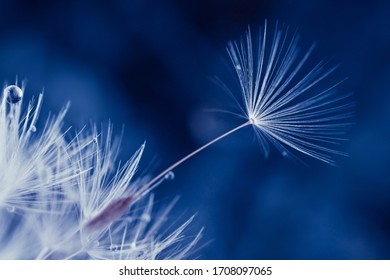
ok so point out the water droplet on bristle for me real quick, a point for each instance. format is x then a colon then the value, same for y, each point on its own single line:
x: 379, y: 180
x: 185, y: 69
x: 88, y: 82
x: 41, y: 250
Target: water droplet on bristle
x: 33, y: 129
x: 11, y: 209
x: 169, y: 176
x: 145, y: 218
x: 14, y: 94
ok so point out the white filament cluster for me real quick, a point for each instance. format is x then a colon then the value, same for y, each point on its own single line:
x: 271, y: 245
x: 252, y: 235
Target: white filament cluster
x: 50, y: 187
x: 288, y: 103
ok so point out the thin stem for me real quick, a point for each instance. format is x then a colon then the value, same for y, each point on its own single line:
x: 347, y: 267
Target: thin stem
x: 170, y: 168
x: 118, y: 207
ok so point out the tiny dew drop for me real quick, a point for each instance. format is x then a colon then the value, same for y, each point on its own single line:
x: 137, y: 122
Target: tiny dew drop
x: 33, y: 129
x: 145, y: 218
x: 14, y: 94
x: 11, y: 209
x: 238, y: 67
x: 169, y: 176
x: 284, y: 153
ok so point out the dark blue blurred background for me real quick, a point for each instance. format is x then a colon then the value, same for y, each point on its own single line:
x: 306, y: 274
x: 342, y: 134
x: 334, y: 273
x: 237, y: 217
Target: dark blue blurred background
x: 147, y: 65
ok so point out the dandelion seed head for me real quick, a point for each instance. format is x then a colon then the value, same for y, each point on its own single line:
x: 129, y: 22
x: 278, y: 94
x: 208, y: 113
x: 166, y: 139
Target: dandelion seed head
x: 288, y: 105
x: 13, y: 93
x: 64, y: 197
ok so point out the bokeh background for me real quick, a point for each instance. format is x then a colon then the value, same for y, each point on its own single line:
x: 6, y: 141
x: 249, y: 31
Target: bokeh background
x: 148, y: 65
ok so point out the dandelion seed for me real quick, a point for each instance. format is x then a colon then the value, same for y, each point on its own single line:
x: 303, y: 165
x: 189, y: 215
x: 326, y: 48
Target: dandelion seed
x: 111, y: 213
x: 281, y: 101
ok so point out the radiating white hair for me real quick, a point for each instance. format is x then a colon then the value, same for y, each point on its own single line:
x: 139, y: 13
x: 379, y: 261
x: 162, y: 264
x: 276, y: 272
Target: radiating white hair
x: 51, y: 188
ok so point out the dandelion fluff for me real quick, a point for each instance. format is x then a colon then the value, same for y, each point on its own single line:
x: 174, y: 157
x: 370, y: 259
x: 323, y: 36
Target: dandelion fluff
x: 67, y: 200
x: 59, y: 196
x: 286, y: 106
x: 292, y: 107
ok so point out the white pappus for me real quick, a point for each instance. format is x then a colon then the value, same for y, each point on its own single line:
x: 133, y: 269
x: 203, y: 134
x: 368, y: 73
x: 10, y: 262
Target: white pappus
x: 52, y: 188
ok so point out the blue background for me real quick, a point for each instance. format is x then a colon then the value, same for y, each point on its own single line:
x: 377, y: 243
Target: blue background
x: 147, y: 65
